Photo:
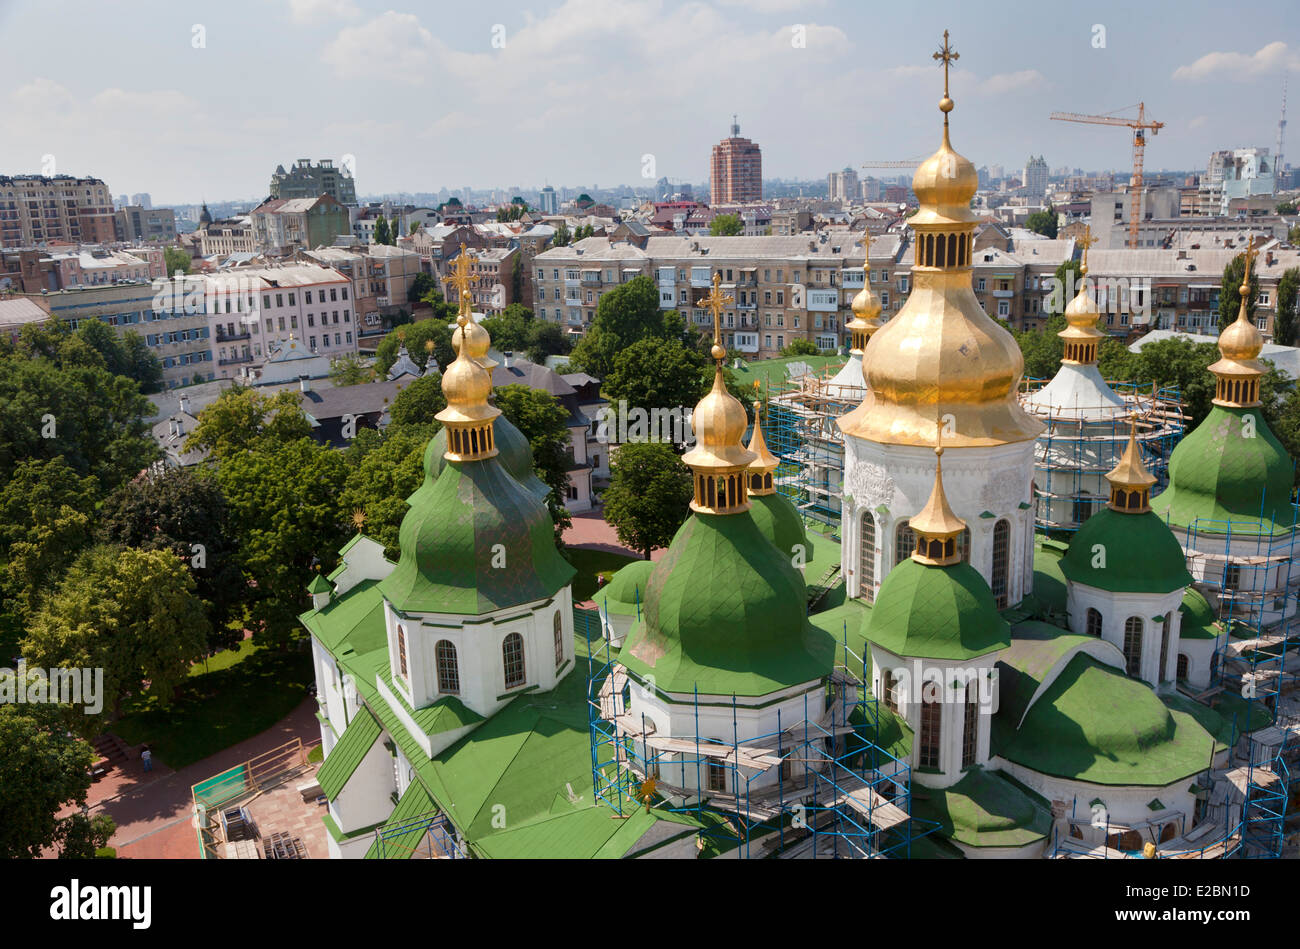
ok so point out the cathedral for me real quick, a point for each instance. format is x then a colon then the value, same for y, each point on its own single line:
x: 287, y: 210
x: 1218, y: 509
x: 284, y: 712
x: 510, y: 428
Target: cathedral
x: 977, y: 690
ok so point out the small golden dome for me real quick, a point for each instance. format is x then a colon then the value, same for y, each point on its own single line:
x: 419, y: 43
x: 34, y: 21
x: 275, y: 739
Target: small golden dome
x: 936, y: 525
x: 719, y: 422
x: 764, y: 461
x: 466, y: 386
x: 866, y: 305
x: 479, y: 343
x: 1241, y: 341
x: 944, y: 184
x: 1130, y: 480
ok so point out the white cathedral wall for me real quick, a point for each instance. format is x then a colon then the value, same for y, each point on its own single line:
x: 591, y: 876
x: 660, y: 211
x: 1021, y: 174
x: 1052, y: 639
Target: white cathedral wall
x: 329, y: 694
x: 366, y: 799
x: 1200, y: 655
x: 1205, y: 561
x: 1030, y: 851
x: 900, y: 477
x: 1117, y: 608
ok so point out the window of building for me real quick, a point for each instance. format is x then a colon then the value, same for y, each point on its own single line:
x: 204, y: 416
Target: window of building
x: 448, y: 669
x: 1093, y: 622
x: 1164, y: 646
x: 867, y: 558
x: 1182, y: 666
x: 931, y: 719
x: 904, y: 542
x: 401, y: 651
x: 512, y: 654
x: 559, y: 640
x: 1231, y: 578
x: 970, y: 725
x: 1001, y: 562
x: 717, y: 776
x: 889, y: 685
x: 1133, y: 645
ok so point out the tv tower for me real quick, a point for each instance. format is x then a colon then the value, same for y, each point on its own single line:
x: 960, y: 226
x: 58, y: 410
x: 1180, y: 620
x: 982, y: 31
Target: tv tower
x: 1278, y: 165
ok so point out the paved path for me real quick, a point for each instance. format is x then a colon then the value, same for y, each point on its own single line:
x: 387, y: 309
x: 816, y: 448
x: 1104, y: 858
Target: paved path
x: 590, y: 530
x: 153, y: 810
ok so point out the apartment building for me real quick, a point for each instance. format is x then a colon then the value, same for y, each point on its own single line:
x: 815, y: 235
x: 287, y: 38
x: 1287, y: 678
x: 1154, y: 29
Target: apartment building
x: 307, y: 180
x: 843, y: 186
x: 37, y: 209
x: 137, y: 223
x: 97, y: 266
x: 381, y: 277
x: 282, y: 226
x: 493, y: 269
x: 735, y: 170
x: 223, y: 238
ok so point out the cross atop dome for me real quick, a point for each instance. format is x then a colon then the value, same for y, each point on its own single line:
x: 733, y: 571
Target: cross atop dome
x: 716, y: 301
x: 462, y: 278
x: 947, y: 55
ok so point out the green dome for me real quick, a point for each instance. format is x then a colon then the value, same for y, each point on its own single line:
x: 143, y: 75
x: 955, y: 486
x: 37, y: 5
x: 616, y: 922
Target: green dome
x: 1142, y: 555
x: 1217, y: 473
x: 626, y: 588
x: 936, y: 613
x: 780, y: 523
x: 451, y: 561
x: 725, y: 613
x: 513, y: 452
x: 984, y: 809
x: 1095, y: 724
x: 1198, y: 618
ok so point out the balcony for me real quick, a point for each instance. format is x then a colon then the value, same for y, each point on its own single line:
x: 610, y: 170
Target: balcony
x: 231, y: 360
x: 223, y: 337
x: 1004, y: 294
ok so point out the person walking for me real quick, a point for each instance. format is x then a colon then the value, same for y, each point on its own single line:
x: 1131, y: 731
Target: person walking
x: 146, y: 758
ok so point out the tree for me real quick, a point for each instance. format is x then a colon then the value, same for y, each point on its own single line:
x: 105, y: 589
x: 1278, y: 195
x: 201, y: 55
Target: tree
x: 726, y: 225
x: 800, y: 347
x: 656, y: 373
x: 1286, y: 207
x: 1293, y: 235
x: 626, y: 314
x: 126, y: 355
x: 1043, y: 349
x: 414, y: 336
x: 649, y: 495
x: 561, y: 237
x: 1068, y: 274
x: 1042, y: 222
x: 1284, y: 420
x: 394, y: 231
x: 546, y: 339
x: 545, y: 424
x: 385, y: 471
x: 381, y: 230
x: 175, y: 259
x: 43, y: 769
x: 133, y: 613
x: 84, y: 837
x: 349, y: 370
x: 284, y: 505
x: 1284, y: 319
x: 183, y: 510
x: 243, y: 418
x: 418, y: 402
x: 420, y: 286
x: 509, y: 329
x: 1230, y: 296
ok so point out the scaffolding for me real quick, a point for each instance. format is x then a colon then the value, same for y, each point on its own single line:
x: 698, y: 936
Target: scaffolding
x: 1077, y: 449
x: 427, y: 836
x: 847, y: 797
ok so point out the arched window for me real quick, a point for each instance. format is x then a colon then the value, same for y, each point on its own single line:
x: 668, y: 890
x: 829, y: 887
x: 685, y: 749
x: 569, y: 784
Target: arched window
x: 904, y: 542
x: 929, y: 250
x: 963, y: 544
x: 867, y: 558
x: 931, y: 718
x: 952, y: 250
x: 941, y: 259
x: 1133, y: 645
x: 965, y: 250
x: 755, y: 482
x: 1164, y: 647
x: 1001, y: 562
x: 1083, y: 506
x: 1182, y: 665
x: 559, y: 641
x: 889, y: 685
x: 448, y: 670
x: 1094, y: 623
x: 970, y: 725
x: 767, y: 480
x: 512, y: 654
x: 401, y: 651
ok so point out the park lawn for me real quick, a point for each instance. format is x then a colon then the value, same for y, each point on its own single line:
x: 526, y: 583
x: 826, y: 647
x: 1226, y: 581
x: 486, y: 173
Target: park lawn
x: 249, y: 690
x: 591, y: 564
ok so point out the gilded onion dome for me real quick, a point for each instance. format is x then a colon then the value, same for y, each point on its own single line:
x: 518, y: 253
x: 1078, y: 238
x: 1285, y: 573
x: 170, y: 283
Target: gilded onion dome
x: 1240, y: 344
x: 866, y: 305
x: 475, y: 336
x: 718, y: 459
x: 764, y: 465
x: 942, y: 355
x: 1082, y: 338
x: 937, y: 527
x: 1130, y: 481
x: 468, y: 417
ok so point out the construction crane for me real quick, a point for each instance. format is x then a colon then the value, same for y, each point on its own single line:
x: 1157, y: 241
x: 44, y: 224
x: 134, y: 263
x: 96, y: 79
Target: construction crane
x: 1139, y: 127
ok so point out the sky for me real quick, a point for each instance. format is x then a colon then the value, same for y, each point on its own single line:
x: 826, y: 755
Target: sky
x: 193, y: 101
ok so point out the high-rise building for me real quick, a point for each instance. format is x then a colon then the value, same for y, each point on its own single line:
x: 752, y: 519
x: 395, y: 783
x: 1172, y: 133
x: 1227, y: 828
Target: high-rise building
x: 547, y: 200
x: 143, y: 199
x: 1035, y: 177
x: 843, y: 185
x: 36, y: 209
x: 736, y: 172
x: 306, y: 180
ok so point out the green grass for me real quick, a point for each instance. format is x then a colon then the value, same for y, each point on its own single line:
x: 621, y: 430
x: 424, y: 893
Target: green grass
x: 591, y: 564
x: 316, y: 755
x: 253, y: 689
x: 772, y: 371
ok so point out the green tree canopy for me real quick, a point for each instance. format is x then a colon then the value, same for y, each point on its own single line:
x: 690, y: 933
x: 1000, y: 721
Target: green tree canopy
x: 628, y: 313
x: 656, y: 373
x: 415, y: 336
x: 382, y: 472
x: 545, y: 424
x: 562, y: 237
x: 1285, y: 314
x: 419, y: 402
x: 546, y: 339
x: 349, y: 370
x: 726, y: 225
x: 176, y: 259
x: 1042, y: 222
x: 381, y: 230
x: 510, y: 328
x: 243, y: 418
x: 43, y: 769
x: 421, y: 286
x: 1286, y: 207
x: 800, y: 347
x: 649, y: 495
x: 1230, y: 295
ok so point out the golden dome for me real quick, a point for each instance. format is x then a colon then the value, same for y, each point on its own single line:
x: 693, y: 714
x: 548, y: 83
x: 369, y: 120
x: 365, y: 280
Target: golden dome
x: 479, y: 342
x: 935, y: 525
x: 941, y: 357
x: 764, y: 461
x: 866, y: 305
x: 1082, y: 337
x: 1130, y: 481
x: 1241, y: 341
x: 1240, y: 344
x: 719, y: 422
x: 466, y: 386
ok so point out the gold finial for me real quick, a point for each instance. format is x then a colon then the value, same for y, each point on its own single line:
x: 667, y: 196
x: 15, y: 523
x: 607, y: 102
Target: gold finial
x: 1086, y: 241
x: 716, y: 301
x: 936, y: 526
x: 1245, y: 273
x: 358, y: 518
x: 947, y: 55
x: 462, y: 278
x: 428, y: 345
x: 1130, y: 481
x: 1238, y: 373
x: 646, y: 792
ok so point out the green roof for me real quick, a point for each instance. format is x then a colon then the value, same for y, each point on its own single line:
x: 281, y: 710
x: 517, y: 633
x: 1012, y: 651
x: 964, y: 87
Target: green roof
x: 446, y: 714
x: 626, y: 589
x: 513, y: 451
x: 1036, y: 649
x: 1050, y: 590
x: 780, y: 523
x: 414, y: 802
x: 318, y: 585
x: 1218, y: 474
x: 936, y: 613
x: 1198, y: 618
x: 1214, y: 723
x: 474, y: 541
x: 357, y: 617
x: 984, y: 809
x: 725, y: 612
x: 1139, y: 554
x: 357, y: 740
x: 1095, y: 724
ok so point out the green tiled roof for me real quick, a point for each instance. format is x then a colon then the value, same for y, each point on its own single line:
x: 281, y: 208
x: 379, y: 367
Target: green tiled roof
x: 358, y: 738
x: 1095, y: 724
x: 1198, y: 619
x: 446, y: 714
x: 1214, y: 723
x: 472, y: 542
x: 936, y: 613
x: 357, y: 617
x: 1141, y: 554
x: 318, y: 585
x: 1036, y: 649
x: 626, y: 588
x: 780, y: 523
x: 1217, y: 473
x: 725, y: 613
x: 513, y: 451
x: 983, y: 809
x: 414, y: 802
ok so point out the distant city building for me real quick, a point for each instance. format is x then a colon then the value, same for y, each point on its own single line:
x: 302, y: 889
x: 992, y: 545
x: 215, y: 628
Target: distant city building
x: 736, y: 170
x: 1035, y: 177
x: 306, y: 180
x: 281, y: 226
x: 141, y: 223
x: 1246, y: 172
x: 843, y: 185
x: 37, y: 209
x: 143, y: 199
x: 548, y: 200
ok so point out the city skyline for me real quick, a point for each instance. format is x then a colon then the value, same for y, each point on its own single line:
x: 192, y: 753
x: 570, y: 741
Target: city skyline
x: 194, y: 119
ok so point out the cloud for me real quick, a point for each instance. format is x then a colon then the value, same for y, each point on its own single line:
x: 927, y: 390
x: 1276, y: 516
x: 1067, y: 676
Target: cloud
x: 773, y: 6
x: 1275, y: 57
x: 1198, y: 122
x: 312, y: 11
x: 1012, y: 82
x: 392, y: 46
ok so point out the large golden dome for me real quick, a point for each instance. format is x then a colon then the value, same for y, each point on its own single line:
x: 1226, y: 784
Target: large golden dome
x: 479, y: 342
x: 466, y: 386
x: 941, y: 359
x: 719, y: 422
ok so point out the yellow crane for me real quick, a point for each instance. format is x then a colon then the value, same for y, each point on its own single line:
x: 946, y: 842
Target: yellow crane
x: 1139, y: 126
